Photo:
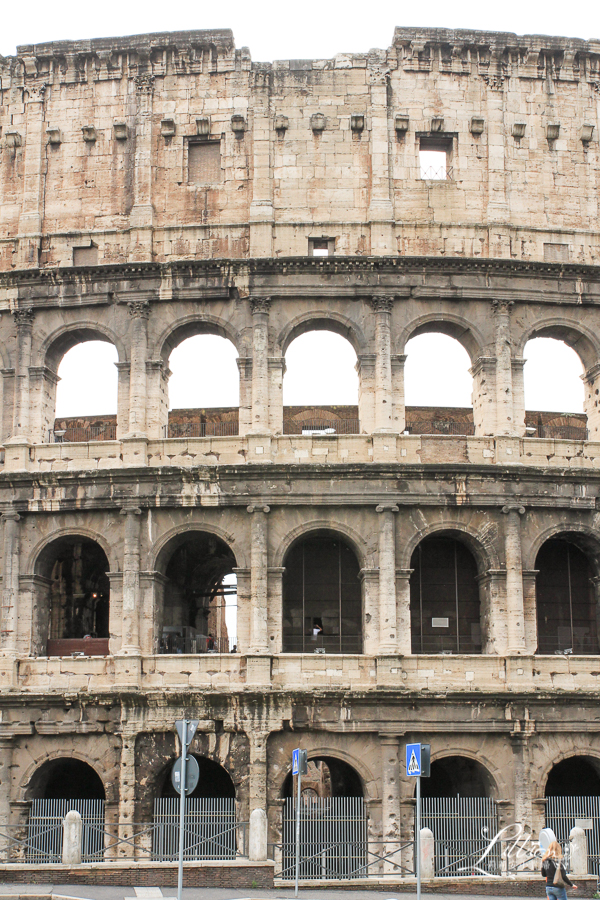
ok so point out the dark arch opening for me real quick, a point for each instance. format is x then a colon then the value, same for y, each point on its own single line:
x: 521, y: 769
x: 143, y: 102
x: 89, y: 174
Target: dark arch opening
x: 214, y: 781
x: 444, y: 598
x: 322, y: 601
x: 578, y: 776
x: 326, y: 777
x: 66, y: 779
x: 457, y: 776
x: 566, y: 606
x: 76, y: 569
x: 195, y: 596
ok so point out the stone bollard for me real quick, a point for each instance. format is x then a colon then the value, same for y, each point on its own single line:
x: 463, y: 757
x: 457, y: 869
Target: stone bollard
x: 257, y: 842
x: 72, y: 835
x: 427, y: 854
x: 579, y: 852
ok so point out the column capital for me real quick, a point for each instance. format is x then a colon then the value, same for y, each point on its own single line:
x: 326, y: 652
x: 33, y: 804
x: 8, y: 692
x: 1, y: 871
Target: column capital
x: 130, y: 511
x: 139, y: 309
x: 502, y: 306
x: 382, y: 303
x: 513, y: 507
x: 23, y: 317
x: 10, y: 516
x: 263, y: 509
x: 260, y: 305
x: 144, y: 83
x: 387, y: 507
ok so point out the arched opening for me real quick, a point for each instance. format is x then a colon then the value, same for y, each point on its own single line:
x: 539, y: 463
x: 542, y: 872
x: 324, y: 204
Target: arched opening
x: 320, y: 384
x: 73, y: 601
x: 204, y: 388
x: 573, y: 799
x: 457, y: 776
x: 197, y: 615
x: 86, y: 394
x: 210, y: 819
x: 322, y: 601
x: 214, y: 781
x: 444, y: 598
x: 326, y: 777
x: 458, y: 806
x: 438, y: 386
x: 576, y: 776
x: 554, y: 390
x: 65, y: 779
x: 565, y: 599
x: 333, y: 821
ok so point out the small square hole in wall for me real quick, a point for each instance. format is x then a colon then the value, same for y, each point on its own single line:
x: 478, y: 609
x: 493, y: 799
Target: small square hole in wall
x: 321, y: 246
x: 434, y: 159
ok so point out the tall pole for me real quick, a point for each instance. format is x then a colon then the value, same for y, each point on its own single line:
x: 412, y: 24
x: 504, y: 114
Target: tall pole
x: 418, y: 838
x: 298, y: 832
x: 184, y: 742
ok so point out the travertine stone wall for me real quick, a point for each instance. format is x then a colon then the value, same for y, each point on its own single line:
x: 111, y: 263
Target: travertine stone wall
x: 95, y: 138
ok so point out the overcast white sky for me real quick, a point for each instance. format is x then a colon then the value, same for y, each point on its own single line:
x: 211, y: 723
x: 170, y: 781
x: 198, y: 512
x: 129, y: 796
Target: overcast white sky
x: 310, y: 29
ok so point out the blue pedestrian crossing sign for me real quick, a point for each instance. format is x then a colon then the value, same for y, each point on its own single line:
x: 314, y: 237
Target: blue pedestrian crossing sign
x: 299, y: 762
x: 413, y: 759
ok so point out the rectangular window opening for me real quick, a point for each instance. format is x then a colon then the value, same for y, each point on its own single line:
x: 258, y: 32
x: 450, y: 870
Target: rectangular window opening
x: 204, y: 162
x: 321, y: 246
x: 434, y: 158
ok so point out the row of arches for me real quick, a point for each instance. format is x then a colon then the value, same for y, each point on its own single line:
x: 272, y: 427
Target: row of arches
x: 67, y: 778
x: 322, y: 607
x: 320, y: 368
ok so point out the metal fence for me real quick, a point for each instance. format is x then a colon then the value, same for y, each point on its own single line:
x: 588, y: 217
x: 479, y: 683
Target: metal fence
x: 462, y: 829
x: 321, y: 426
x: 210, y: 830
x: 561, y: 816
x: 82, y: 434
x: 200, y: 429
x: 440, y: 426
x: 45, y: 830
x: 333, y: 838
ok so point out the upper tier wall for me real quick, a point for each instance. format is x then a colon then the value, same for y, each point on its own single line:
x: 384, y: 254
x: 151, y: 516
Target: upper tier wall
x: 96, y: 137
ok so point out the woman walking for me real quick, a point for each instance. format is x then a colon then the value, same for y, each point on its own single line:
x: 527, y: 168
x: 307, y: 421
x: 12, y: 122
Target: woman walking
x: 555, y: 874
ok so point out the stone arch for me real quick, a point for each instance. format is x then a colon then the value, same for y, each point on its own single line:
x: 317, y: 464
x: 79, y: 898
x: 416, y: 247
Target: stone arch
x: 491, y: 772
x: 34, y: 556
x: 586, y: 538
x: 485, y: 554
x: 157, y: 553
x: 189, y: 326
x: 575, y: 335
x: 570, y: 753
x: 109, y: 784
x: 364, y: 776
x: 457, y: 327
x: 65, y: 338
x: 354, y: 538
x: 322, y: 320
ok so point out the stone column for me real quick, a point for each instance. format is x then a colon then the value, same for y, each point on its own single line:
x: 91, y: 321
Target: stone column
x: 24, y: 322
x: 243, y: 614
x: 257, y: 787
x: 388, y: 633
x: 381, y: 212
x: 261, y: 205
x: 6, y: 755
x: 258, y: 579
x: 139, y: 311
x: 518, y: 364
x: 141, y: 217
x: 398, y: 406
x: 369, y: 579
x: 32, y: 209
x: 260, y: 365
x: 521, y: 770
x: 245, y: 411
x: 130, y: 645
x: 365, y: 367
x: 403, y: 611
x: 127, y: 782
x: 505, y: 421
x: 390, y: 801
x: 276, y: 372
x: 515, y: 612
x: 383, y: 363
x: 591, y: 381
x: 157, y: 405
x: 483, y: 371
x: 497, y: 206
x: 123, y: 381
x: 275, y: 608
x: 10, y: 585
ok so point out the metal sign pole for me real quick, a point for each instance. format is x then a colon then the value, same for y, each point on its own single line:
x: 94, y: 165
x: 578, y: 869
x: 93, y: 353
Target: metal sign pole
x: 298, y: 831
x: 184, y: 746
x: 418, y: 838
